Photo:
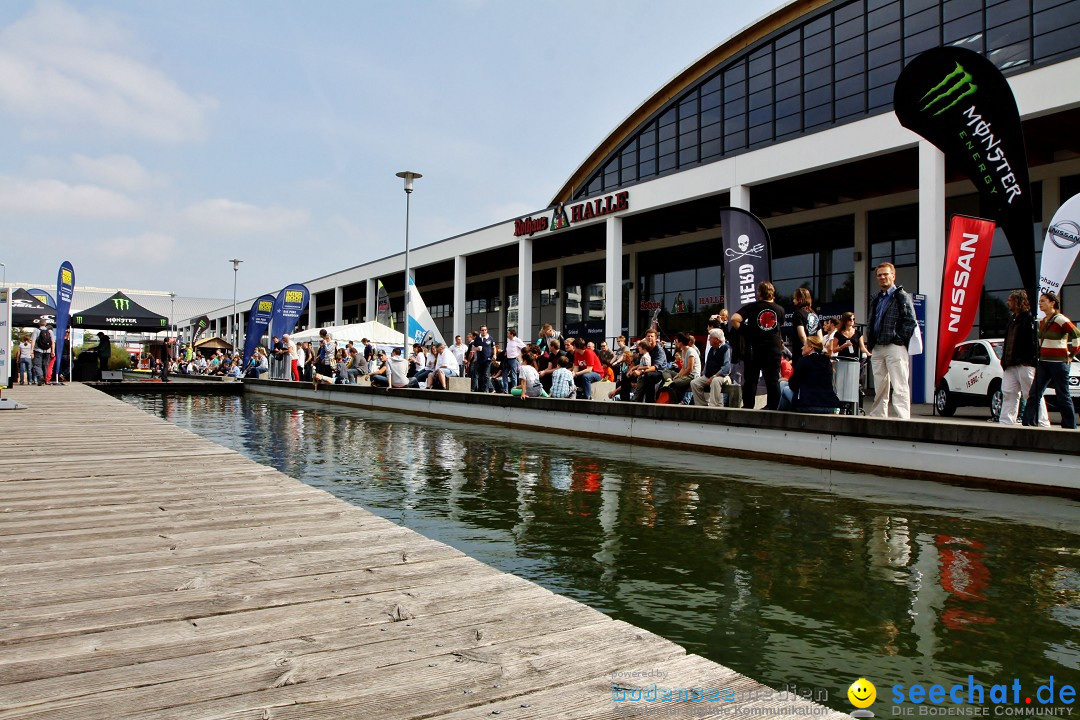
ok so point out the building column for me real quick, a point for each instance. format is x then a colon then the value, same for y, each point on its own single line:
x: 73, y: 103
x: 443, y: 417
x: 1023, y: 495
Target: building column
x: 458, y: 301
x: 311, y: 311
x: 560, y: 299
x: 526, y: 331
x: 740, y: 197
x: 370, y: 308
x: 613, y: 277
x: 634, y: 298
x: 241, y: 338
x: 339, y: 305
x: 931, y: 250
x: 1051, y: 201
x: 500, y: 328
x: 862, y: 270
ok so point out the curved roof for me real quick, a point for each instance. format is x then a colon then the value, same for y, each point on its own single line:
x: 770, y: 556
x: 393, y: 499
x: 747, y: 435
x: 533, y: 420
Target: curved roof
x: 684, y: 80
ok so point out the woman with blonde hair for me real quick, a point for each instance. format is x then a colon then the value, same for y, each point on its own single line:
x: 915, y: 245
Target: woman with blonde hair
x: 810, y: 388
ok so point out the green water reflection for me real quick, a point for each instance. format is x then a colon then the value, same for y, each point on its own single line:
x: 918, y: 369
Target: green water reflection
x: 791, y: 575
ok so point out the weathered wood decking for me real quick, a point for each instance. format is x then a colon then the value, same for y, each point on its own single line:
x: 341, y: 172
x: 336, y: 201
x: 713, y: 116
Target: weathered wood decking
x: 149, y: 573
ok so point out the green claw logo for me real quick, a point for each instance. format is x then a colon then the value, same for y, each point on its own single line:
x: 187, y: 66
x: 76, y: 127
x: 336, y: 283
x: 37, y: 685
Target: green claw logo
x: 121, y: 303
x: 956, y: 85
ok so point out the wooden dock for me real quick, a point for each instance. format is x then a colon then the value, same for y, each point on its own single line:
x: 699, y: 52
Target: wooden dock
x: 149, y: 573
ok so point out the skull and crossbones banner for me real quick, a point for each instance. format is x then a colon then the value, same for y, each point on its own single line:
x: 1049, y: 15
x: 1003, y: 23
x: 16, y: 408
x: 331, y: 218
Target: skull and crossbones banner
x: 746, y: 255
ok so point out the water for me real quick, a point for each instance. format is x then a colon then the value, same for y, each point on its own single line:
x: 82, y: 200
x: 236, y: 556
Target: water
x: 795, y: 576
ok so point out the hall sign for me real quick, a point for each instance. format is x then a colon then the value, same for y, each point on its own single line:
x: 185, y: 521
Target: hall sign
x: 562, y: 218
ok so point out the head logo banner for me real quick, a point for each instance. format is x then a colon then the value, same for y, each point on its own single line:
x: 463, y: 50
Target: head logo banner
x: 421, y: 327
x: 6, y: 359
x: 960, y: 102
x: 966, y: 256
x: 262, y: 312
x: 201, y: 324
x: 746, y: 256
x: 43, y: 296
x: 65, y: 289
x: 1060, y: 247
x: 288, y: 305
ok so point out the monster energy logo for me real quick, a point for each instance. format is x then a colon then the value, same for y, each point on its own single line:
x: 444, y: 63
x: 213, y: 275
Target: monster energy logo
x: 78, y: 320
x: 956, y: 86
x: 121, y: 303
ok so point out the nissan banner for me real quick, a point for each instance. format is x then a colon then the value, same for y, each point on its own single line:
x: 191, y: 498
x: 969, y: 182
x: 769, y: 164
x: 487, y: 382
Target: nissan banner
x: 966, y: 256
x: 1060, y: 247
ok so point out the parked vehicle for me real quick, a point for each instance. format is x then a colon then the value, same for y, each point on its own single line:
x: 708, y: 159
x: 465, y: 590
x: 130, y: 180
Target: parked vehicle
x: 974, y: 379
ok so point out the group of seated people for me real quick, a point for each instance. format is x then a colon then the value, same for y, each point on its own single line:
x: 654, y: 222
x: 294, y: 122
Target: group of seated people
x: 190, y: 363
x: 646, y: 371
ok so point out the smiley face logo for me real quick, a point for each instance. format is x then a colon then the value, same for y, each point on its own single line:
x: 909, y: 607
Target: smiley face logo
x: 862, y: 693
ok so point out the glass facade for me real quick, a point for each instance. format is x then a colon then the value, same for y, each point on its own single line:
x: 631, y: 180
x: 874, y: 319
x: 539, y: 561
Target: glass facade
x: 836, y: 65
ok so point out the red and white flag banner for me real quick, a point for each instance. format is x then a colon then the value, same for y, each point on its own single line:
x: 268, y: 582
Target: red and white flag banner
x: 966, y: 256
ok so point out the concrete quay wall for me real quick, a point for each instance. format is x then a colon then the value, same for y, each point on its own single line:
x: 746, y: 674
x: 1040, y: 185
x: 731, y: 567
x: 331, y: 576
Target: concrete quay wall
x: 1014, y: 458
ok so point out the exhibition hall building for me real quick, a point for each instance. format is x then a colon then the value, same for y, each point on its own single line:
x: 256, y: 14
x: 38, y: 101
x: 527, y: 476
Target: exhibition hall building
x: 792, y: 119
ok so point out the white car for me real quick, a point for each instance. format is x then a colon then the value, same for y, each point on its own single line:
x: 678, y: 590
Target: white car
x: 974, y: 378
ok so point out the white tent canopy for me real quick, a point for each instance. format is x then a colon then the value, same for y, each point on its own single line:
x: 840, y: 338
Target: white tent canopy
x: 376, y: 332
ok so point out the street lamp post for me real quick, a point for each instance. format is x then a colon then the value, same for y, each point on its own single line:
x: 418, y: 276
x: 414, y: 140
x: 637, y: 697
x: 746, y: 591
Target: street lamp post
x: 236, y: 329
x: 5, y: 274
x: 408, y: 176
x: 172, y: 311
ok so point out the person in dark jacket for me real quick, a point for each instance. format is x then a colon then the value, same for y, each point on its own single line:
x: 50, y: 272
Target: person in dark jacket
x: 810, y: 388
x: 1018, y: 359
x: 104, y: 351
x: 890, y: 325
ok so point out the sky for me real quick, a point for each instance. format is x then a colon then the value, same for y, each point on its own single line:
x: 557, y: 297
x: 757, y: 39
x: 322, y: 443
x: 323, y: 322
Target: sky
x: 151, y: 141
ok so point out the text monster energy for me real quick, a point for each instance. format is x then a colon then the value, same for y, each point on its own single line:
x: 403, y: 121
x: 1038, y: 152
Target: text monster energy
x: 986, y: 154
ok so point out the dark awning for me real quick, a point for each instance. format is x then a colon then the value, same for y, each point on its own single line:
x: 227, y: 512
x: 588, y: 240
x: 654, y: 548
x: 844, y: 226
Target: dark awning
x: 120, y: 312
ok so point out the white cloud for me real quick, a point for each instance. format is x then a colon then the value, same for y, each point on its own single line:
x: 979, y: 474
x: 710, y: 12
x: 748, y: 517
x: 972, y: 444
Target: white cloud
x: 232, y: 217
x: 60, y: 65
x: 120, y: 171
x: 53, y: 197
x: 152, y: 248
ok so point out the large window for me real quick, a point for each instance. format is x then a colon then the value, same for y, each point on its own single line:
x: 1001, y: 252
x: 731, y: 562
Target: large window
x: 837, y: 65
x: 817, y: 256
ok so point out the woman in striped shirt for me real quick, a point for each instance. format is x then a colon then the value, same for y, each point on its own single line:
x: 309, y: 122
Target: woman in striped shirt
x: 1056, y: 334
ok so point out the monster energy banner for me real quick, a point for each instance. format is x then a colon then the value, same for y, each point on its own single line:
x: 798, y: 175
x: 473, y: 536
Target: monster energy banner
x: 1060, y: 247
x: 382, y: 307
x: 746, y: 256
x: 200, y: 327
x: 119, y: 312
x: 960, y: 101
x: 65, y: 289
x: 43, y: 296
x: 288, y: 305
x: 262, y: 311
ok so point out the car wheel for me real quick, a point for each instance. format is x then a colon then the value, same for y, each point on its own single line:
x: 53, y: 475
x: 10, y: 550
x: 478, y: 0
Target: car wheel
x: 997, y: 399
x: 944, y: 402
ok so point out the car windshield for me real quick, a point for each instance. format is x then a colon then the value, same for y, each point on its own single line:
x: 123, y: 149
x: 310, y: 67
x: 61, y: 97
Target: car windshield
x: 999, y: 347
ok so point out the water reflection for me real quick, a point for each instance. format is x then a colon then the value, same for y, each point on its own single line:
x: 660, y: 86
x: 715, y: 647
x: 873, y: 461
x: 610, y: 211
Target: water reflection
x: 790, y: 575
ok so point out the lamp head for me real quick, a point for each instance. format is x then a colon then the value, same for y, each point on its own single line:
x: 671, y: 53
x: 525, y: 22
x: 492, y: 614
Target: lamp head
x: 236, y: 264
x: 409, y: 176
